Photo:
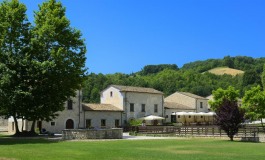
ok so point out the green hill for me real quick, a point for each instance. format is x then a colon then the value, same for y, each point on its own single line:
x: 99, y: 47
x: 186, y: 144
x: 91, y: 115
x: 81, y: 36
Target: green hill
x: 169, y: 78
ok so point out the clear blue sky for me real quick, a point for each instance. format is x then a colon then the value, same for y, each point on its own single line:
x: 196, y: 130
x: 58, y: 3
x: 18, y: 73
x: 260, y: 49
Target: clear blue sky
x: 125, y: 35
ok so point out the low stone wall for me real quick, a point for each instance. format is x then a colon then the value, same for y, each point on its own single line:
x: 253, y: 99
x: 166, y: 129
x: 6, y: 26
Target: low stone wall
x: 253, y: 139
x: 69, y: 134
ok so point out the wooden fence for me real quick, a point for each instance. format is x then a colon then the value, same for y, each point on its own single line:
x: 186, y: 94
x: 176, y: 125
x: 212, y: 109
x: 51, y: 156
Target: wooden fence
x: 213, y: 131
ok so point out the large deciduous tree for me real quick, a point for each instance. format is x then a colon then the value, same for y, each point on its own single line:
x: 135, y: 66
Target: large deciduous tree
x: 254, y: 103
x: 229, y: 117
x: 60, y: 51
x: 42, y: 65
x: 14, y: 46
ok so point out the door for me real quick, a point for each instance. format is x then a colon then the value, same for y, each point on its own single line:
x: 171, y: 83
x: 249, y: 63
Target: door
x: 69, y: 124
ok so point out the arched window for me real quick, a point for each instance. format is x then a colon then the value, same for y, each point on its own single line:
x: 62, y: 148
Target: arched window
x: 69, y: 124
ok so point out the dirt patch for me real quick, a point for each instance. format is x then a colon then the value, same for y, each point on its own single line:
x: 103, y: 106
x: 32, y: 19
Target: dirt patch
x: 3, y: 158
x: 225, y: 70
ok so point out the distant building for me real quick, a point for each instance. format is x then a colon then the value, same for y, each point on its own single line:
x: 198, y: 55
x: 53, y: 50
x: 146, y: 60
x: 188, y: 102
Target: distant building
x: 184, y: 102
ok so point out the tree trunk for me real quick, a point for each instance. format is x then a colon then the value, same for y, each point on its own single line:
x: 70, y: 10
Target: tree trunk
x: 231, y: 138
x: 262, y: 125
x: 22, y: 128
x: 16, y: 126
x: 32, y: 130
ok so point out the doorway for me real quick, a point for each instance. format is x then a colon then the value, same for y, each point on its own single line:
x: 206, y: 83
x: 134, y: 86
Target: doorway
x: 69, y: 124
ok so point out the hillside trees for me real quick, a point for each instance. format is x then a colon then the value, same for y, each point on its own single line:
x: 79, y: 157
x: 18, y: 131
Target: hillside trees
x: 47, y: 69
x: 151, y: 69
x: 263, y: 78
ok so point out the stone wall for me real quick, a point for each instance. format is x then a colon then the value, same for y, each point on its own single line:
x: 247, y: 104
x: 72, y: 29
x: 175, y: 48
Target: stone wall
x: 69, y: 134
x: 259, y: 138
x: 3, y: 124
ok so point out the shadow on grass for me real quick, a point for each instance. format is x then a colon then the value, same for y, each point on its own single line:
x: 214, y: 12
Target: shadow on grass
x: 11, y: 140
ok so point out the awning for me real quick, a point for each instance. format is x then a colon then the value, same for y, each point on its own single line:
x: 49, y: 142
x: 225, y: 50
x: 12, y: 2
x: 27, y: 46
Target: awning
x: 194, y: 113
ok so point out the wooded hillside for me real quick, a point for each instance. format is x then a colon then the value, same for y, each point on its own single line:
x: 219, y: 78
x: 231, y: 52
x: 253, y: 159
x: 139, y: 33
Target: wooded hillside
x: 169, y: 78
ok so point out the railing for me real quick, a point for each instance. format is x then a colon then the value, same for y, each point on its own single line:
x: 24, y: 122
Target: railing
x: 197, y: 131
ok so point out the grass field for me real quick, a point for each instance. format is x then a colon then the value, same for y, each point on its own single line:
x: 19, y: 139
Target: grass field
x: 225, y: 70
x: 175, y: 149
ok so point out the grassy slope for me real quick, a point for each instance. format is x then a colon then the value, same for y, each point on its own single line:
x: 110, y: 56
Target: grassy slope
x: 181, y: 149
x: 225, y: 70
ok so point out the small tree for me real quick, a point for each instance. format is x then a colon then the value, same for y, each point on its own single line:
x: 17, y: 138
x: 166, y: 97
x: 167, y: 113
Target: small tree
x: 254, y: 104
x: 229, y: 117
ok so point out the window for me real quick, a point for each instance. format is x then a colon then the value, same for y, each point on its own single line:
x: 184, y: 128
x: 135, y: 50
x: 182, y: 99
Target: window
x: 117, y: 123
x: 201, y: 105
x: 143, y: 108
x: 88, y: 123
x: 178, y: 116
x: 70, y: 104
x: 103, y: 123
x: 155, y: 108
x: 52, y: 123
x: 131, y: 107
x: 111, y: 94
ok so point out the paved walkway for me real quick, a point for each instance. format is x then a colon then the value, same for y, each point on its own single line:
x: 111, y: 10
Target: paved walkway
x: 129, y: 137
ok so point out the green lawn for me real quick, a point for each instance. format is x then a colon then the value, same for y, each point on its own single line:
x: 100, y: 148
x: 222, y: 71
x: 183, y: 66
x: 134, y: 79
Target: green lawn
x: 175, y: 149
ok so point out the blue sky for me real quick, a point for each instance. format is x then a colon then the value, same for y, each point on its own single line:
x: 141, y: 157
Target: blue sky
x: 125, y: 35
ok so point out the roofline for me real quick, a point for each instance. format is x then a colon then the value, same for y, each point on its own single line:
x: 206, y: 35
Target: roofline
x: 142, y: 92
x: 193, y: 97
x: 113, y: 85
x: 101, y: 111
x: 180, y: 108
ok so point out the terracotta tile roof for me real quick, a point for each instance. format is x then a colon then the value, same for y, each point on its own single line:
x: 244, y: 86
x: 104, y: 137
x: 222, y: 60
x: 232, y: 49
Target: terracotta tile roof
x: 173, y: 105
x: 192, y: 95
x: 100, y: 107
x: 136, y: 89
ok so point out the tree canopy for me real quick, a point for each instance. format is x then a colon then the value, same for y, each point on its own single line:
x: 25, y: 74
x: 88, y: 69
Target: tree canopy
x: 42, y: 64
x: 254, y: 103
x: 229, y: 117
x: 220, y: 95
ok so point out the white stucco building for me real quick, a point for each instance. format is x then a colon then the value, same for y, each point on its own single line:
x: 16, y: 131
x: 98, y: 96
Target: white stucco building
x: 136, y: 102
x: 118, y: 105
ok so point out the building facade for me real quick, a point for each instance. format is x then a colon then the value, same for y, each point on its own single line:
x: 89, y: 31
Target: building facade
x: 136, y: 102
x: 184, y: 102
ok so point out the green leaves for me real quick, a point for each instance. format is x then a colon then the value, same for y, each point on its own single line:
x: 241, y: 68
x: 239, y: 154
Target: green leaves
x: 41, y: 66
x: 220, y: 95
x: 263, y: 77
x: 254, y: 103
